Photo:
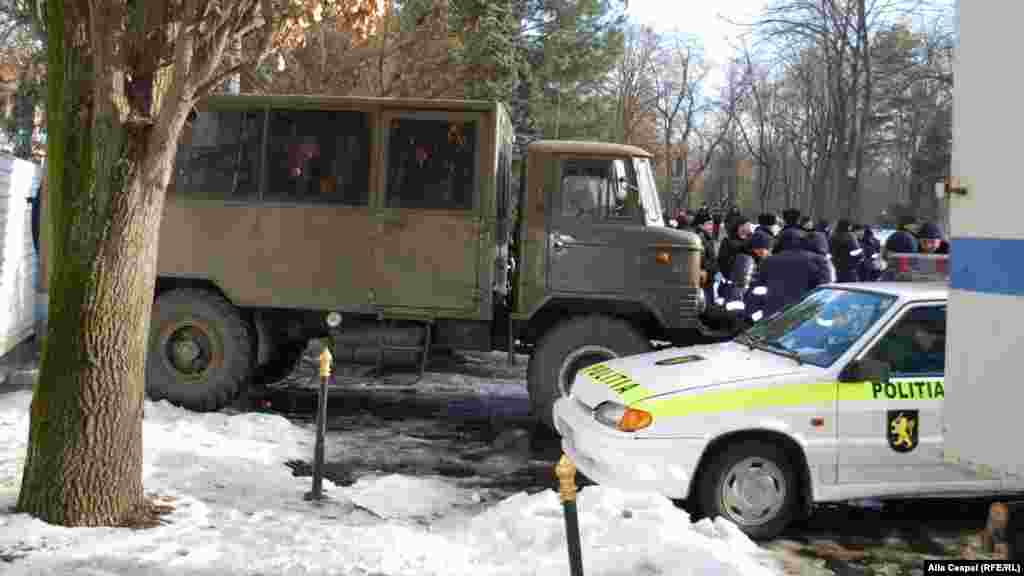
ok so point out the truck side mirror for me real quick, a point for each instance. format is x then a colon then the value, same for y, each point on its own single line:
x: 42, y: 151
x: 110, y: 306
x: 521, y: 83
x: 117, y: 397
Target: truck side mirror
x: 865, y: 370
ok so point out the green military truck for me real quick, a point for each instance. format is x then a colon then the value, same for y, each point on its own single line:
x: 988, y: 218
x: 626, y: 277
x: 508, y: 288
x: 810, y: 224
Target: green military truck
x: 401, y: 220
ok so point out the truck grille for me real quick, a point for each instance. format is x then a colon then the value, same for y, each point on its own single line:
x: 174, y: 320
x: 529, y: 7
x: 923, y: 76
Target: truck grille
x: 690, y: 306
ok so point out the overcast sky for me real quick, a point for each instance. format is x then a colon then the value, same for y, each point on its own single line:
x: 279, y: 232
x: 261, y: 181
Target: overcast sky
x: 700, y: 19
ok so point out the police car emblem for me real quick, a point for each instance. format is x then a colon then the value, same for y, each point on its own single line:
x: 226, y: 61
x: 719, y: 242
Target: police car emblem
x: 901, y: 429
x: 679, y: 360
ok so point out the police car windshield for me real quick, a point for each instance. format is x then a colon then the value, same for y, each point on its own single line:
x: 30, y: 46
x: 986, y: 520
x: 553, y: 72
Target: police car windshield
x: 821, y: 327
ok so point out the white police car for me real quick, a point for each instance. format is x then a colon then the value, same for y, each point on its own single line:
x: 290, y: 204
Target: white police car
x: 837, y: 397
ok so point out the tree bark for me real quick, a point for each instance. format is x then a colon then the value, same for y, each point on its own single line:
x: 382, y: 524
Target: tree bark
x: 107, y: 178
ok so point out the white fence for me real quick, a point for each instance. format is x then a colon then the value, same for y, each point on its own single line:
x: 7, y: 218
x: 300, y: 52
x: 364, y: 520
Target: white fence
x: 19, y: 181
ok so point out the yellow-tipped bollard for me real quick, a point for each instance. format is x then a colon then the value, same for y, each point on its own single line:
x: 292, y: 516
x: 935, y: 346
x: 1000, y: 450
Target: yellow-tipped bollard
x: 321, y: 427
x: 565, y: 471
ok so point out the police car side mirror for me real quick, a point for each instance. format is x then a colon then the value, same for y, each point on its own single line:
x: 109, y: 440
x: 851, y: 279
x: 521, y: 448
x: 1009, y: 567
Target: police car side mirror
x: 865, y: 370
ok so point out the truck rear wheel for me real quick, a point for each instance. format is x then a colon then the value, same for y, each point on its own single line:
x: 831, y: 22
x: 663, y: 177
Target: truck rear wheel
x: 200, y: 350
x: 568, y: 348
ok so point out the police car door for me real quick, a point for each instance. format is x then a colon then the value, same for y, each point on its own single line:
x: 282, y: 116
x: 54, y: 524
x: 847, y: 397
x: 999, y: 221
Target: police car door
x: 894, y: 435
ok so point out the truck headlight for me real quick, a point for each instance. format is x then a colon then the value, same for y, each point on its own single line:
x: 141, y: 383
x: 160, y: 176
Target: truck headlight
x: 623, y: 418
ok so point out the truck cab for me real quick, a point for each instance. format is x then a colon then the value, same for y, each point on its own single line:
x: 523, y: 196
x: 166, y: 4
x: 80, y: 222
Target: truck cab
x: 600, y: 273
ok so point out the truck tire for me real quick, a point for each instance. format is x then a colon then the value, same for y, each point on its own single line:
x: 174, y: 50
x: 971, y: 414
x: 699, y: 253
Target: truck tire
x: 200, y: 350
x: 571, y: 346
x: 752, y: 484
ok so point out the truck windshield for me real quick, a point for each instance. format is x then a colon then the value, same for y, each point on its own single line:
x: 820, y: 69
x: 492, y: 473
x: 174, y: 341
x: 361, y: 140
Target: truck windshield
x: 648, y: 192
x: 821, y: 327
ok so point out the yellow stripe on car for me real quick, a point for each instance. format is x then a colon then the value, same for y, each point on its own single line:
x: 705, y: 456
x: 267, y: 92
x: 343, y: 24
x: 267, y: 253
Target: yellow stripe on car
x: 713, y: 402
x: 738, y: 400
x: 820, y: 393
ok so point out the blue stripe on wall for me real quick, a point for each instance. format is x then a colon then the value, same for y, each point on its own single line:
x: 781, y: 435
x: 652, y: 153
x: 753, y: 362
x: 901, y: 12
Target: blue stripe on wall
x: 987, y: 265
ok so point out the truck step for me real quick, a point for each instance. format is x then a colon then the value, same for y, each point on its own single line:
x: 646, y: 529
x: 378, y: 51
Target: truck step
x: 423, y: 349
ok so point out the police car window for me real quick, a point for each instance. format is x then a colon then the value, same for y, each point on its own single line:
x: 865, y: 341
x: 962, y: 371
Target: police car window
x: 916, y: 344
x: 824, y: 325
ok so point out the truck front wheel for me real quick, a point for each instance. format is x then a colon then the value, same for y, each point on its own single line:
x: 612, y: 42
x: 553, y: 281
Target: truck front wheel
x: 200, y: 350
x: 568, y: 348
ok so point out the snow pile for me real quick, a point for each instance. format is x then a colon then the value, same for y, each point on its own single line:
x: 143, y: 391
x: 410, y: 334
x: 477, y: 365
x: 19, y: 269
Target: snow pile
x: 239, y: 510
x: 622, y: 534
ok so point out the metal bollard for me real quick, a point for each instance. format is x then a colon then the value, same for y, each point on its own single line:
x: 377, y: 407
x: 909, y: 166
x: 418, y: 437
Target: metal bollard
x: 566, y: 473
x: 321, y: 428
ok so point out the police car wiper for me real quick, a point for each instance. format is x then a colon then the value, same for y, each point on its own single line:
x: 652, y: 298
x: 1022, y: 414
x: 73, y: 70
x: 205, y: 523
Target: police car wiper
x: 777, y: 348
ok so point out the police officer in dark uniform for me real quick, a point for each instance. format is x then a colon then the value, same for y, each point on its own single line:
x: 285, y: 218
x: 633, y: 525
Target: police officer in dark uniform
x: 930, y: 239
x: 787, y: 276
x: 768, y: 222
x: 871, y: 266
x: 743, y: 275
x: 817, y: 244
x: 847, y: 254
x: 790, y: 218
x: 737, y: 236
x: 703, y: 226
x: 825, y: 227
x: 807, y: 224
x: 902, y: 240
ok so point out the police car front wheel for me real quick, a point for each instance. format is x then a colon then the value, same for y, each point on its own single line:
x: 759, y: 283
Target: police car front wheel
x: 753, y: 485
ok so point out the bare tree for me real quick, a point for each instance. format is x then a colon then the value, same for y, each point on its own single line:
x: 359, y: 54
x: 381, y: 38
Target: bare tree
x: 679, y: 96
x: 712, y: 123
x: 760, y: 129
x: 837, y: 33
x: 631, y: 84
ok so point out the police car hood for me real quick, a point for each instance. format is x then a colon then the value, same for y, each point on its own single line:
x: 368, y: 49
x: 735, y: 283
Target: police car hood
x: 631, y: 379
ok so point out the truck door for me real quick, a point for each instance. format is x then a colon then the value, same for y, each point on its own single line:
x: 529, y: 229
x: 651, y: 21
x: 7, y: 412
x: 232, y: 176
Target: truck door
x: 895, y: 437
x: 591, y: 213
x: 430, y: 224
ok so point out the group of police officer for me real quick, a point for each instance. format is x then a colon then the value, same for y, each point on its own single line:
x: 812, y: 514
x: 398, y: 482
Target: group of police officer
x: 749, y: 272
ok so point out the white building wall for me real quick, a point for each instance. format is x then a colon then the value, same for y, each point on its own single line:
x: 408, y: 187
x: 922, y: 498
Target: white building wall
x: 19, y: 180
x: 986, y: 311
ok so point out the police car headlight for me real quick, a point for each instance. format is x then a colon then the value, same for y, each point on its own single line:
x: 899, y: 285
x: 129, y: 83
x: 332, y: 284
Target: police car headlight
x: 624, y: 418
x: 609, y: 413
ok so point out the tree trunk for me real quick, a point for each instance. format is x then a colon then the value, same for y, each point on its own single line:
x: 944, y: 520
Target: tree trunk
x: 106, y: 189
x: 668, y: 168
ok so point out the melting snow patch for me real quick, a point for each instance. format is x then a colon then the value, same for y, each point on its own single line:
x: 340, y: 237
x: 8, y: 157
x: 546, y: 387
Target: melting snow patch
x: 395, y: 496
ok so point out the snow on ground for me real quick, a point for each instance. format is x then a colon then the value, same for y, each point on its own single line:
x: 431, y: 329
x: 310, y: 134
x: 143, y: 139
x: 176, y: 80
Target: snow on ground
x: 239, y: 510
